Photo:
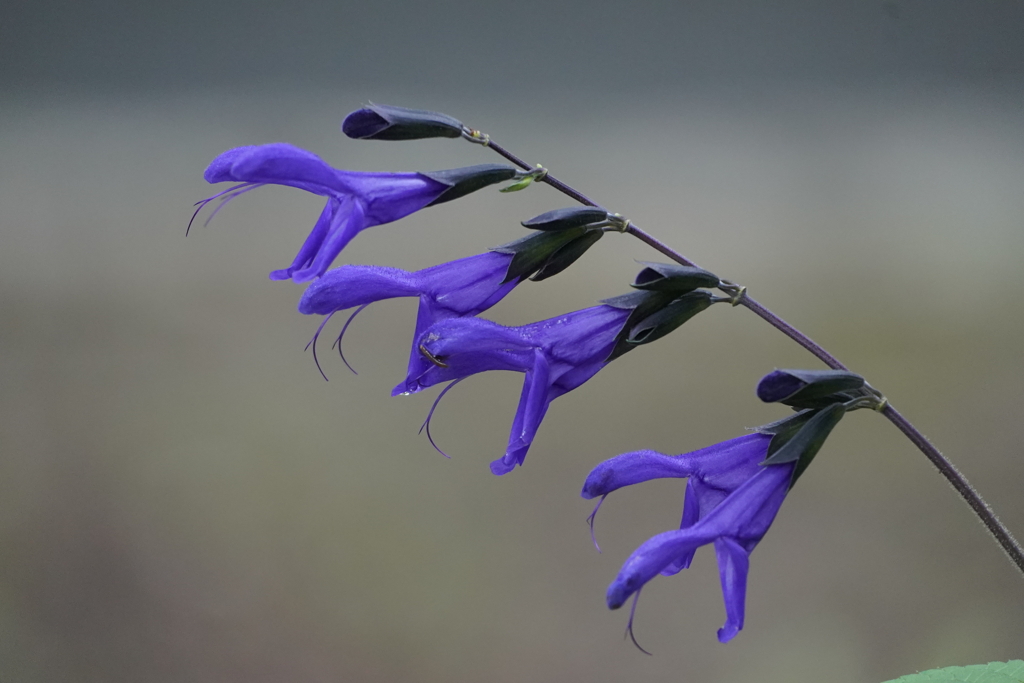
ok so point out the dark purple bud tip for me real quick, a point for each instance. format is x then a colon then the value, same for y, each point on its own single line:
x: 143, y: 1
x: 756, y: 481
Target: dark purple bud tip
x: 384, y: 122
x: 363, y: 124
x: 778, y: 385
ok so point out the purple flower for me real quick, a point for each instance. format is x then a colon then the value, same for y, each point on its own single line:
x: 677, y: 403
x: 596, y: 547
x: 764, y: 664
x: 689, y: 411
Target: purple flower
x: 731, y: 500
x: 355, y: 200
x: 557, y: 355
x: 455, y: 289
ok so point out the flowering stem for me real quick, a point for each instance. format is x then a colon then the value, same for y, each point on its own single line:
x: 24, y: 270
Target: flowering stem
x: 946, y: 468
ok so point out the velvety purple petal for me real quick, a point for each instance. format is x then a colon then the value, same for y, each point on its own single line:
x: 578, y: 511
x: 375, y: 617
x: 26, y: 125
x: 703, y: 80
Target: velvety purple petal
x: 468, y: 286
x: 724, y: 467
x: 340, y: 221
x: 733, y: 565
x: 390, y: 196
x: 691, y: 515
x: 418, y: 363
x: 277, y: 163
x: 570, y: 377
x: 467, y: 346
x: 582, y: 336
x: 350, y: 286
x: 514, y: 456
x: 347, y: 222
x: 651, y: 557
x: 633, y: 468
x: 691, y: 509
x: 533, y: 404
x: 219, y: 170
x: 313, y: 241
x: 743, y: 516
x: 747, y: 512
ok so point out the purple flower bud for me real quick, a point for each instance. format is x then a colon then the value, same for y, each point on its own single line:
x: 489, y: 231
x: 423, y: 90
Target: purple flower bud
x: 385, y: 122
x: 808, y: 388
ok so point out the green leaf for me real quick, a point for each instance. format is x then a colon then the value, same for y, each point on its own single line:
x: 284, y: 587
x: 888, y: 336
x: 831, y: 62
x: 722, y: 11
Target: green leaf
x: 521, y: 184
x: 993, y: 672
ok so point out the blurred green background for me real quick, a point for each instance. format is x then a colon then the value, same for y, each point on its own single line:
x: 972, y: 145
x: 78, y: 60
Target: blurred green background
x: 182, y: 497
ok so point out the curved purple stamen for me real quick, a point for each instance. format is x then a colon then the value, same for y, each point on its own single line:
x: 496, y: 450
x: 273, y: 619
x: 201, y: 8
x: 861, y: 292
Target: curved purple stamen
x: 590, y: 521
x: 313, y: 343
x: 337, y: 342
x: 231, y: 192
x: 426, y: 423
x: 629, y: 626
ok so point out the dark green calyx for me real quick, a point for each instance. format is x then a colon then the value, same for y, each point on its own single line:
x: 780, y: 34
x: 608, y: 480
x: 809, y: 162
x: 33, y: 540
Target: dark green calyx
x: 799, y: 437
x: 652, y: 316
x: 668, y: 277
x: 565, y: 219
x: 666, y: 320
x: 567, y: 255
x: 545, y: 254
x: 809, y: 388
x: 384, y: 122
x: 462, y: 181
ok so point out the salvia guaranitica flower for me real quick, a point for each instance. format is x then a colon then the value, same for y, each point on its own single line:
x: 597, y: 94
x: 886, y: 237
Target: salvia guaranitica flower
x: 557, y: 355
x: 731, y: 500
x: 355, y: 200
x: 465, y: 287
x: 733, y: 491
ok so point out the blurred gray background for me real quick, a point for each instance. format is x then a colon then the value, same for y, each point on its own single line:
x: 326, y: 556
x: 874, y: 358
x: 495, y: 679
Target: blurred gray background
x: 183, y: 498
